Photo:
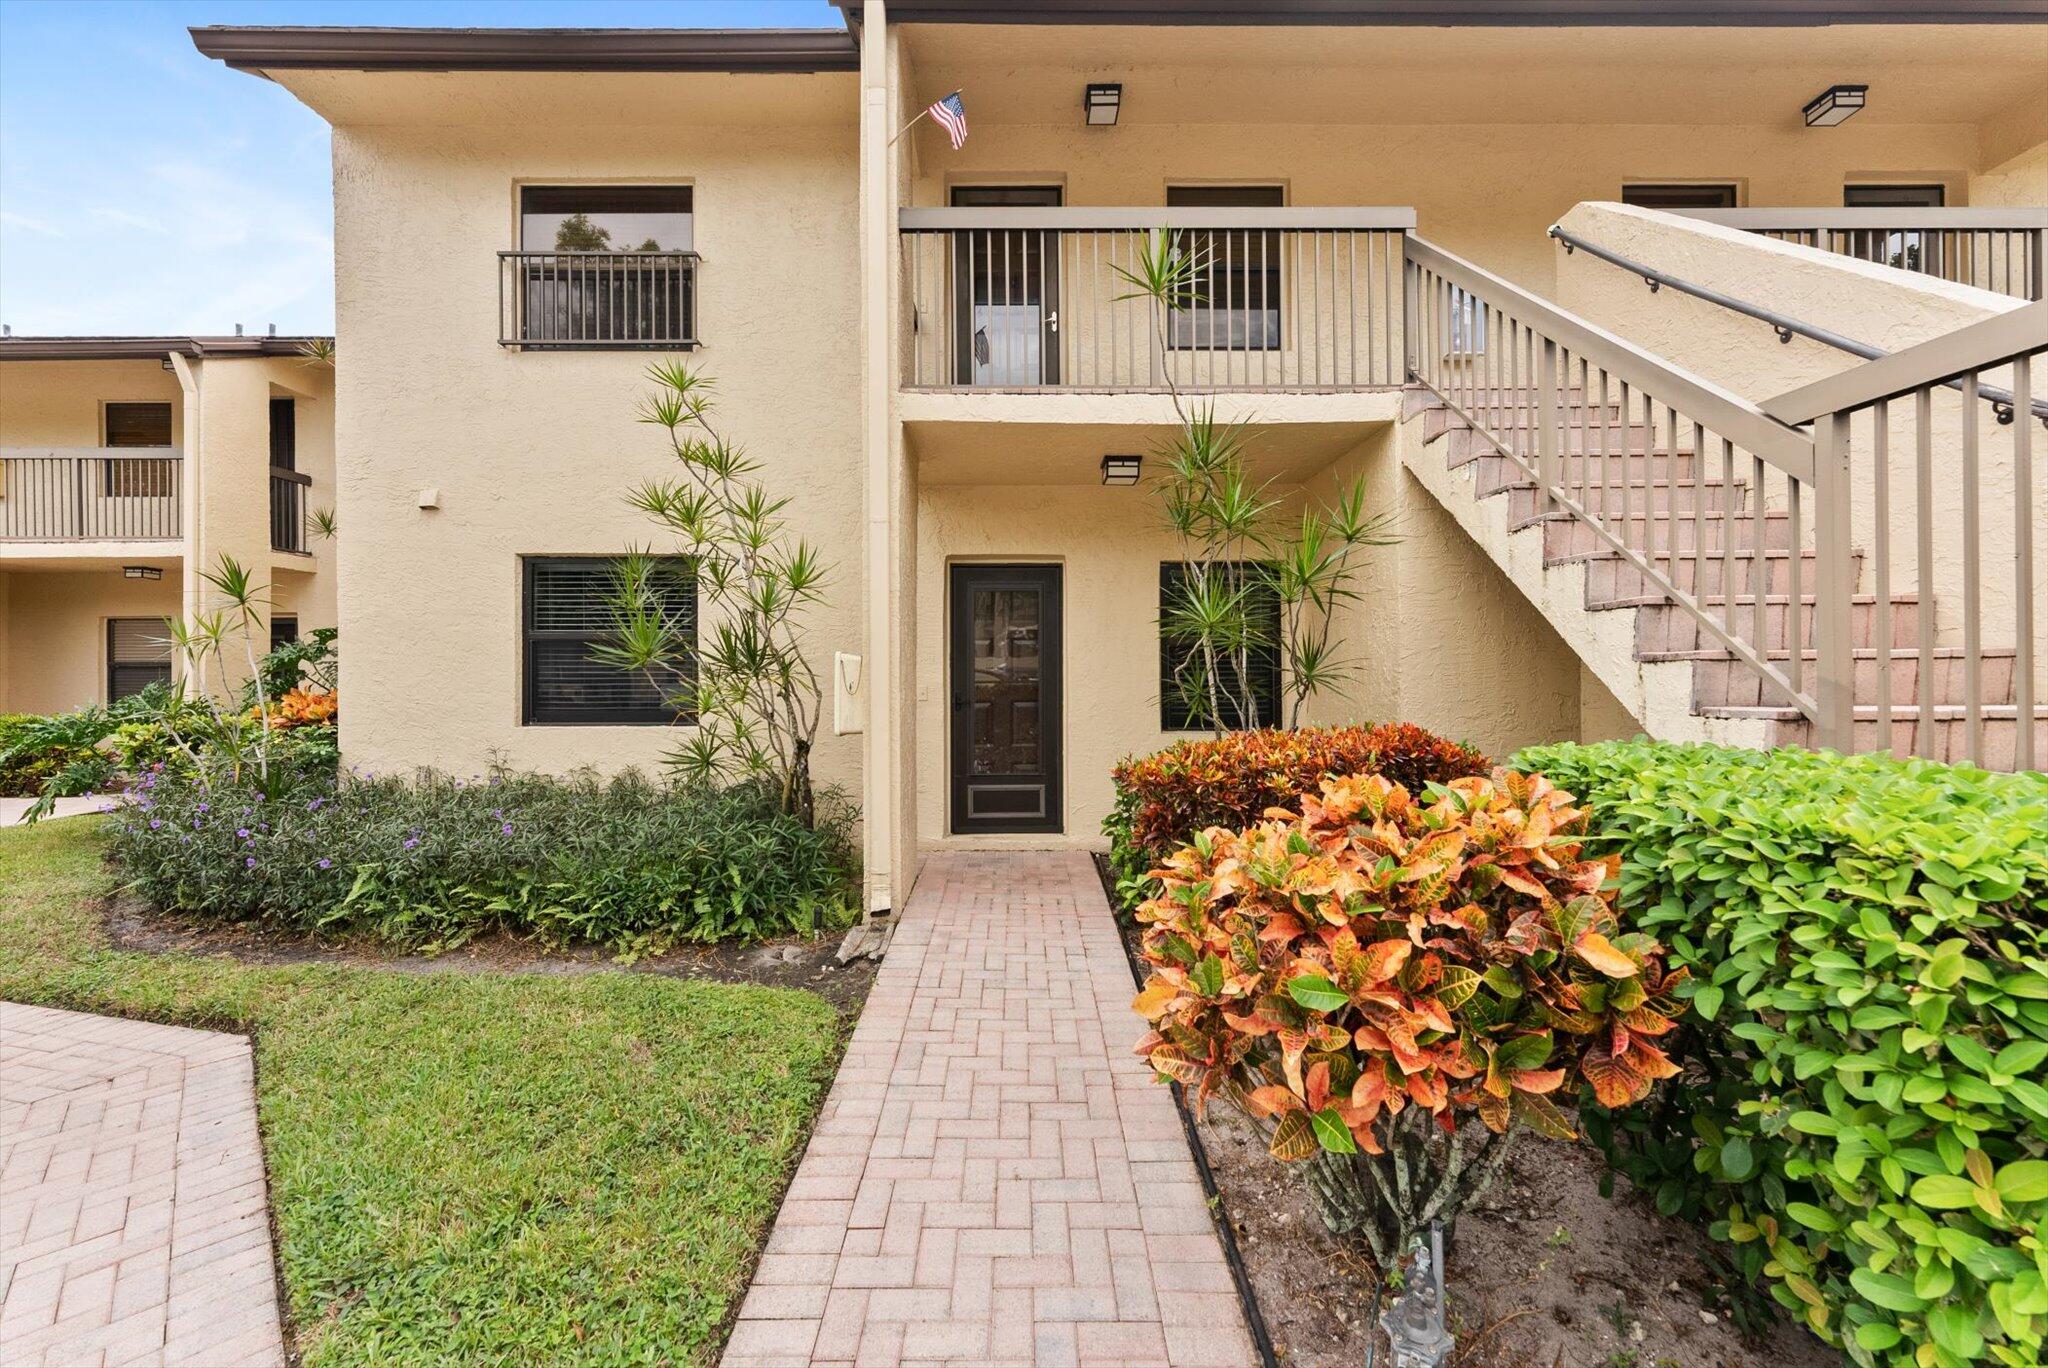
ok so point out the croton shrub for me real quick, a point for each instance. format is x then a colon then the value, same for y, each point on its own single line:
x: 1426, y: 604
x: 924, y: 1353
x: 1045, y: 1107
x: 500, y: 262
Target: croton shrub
x: 1864, y: 1112
x: 1364, y: 974
x: 1231, y: 780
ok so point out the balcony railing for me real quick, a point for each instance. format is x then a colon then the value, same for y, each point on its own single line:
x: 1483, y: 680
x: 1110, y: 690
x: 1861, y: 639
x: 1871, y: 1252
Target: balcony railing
x: 1036, y: 299
x: 91, y: 494
x: 2005, y: 250
x: 597, y: 300
x: 288, y: 509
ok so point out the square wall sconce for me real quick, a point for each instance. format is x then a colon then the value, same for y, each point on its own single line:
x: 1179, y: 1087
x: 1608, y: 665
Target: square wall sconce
x: 1834, y: 105
x: 141, y: 572
x: 1121, y: 470
x: 1101, y: 104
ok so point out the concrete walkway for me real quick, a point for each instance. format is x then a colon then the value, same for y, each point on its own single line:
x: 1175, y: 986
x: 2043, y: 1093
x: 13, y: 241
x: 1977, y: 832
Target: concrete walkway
x: 995, y: 1179
x: 13, y: 810
x: 134, y: 1223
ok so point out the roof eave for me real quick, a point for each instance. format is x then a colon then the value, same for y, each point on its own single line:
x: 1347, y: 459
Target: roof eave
x: 752, y: 51
x: 1462, y: 13
x: 147, y: 348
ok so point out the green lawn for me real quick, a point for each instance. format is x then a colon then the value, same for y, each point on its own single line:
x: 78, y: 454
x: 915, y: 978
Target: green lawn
x: 475, y: 1169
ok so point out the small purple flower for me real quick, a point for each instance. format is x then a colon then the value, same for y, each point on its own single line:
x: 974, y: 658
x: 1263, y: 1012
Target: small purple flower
x: 506, y: 829
x: 250, y: 862
x: 242, y: 833
x: 326, y: 863
x: 184, y: 840
x: 155, y: 823
x: 411, y: 841
x: 202, y: 807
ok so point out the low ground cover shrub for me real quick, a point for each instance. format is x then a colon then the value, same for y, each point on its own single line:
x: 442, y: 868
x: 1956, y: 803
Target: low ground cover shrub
x: 1230, y: 781
x: 432, y: 860
x: 1366, y: 978
x: 1863, y: 1112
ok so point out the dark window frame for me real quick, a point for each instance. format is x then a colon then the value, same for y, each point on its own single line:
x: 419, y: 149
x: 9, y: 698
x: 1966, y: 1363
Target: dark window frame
x: 284, y: 629
x: 115, y: 664
x: 1192, y: 327
x: 1174, y: 715
x: 284, y: 432
x: 1705, y: 194
x: 137, y: 479
x: 1872, y: 195
x: 569, y: 299
x: 534, y: 714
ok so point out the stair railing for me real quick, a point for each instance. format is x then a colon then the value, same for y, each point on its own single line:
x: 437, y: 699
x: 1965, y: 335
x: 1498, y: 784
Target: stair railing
x: 1703, y: 493
x: 1954, y: 530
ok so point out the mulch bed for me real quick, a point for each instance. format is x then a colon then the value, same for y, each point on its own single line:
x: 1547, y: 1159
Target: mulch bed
x: 133, y: 924
x: 1544, y: 1272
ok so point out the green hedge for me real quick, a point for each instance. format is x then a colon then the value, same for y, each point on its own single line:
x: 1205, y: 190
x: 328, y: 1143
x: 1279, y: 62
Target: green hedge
x: 1864, y: 1115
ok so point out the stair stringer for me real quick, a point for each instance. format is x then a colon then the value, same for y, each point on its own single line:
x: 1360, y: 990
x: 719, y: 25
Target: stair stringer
x: 1658, y: 694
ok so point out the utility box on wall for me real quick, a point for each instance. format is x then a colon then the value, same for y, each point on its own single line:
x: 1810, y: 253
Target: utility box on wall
x: 849, y: 694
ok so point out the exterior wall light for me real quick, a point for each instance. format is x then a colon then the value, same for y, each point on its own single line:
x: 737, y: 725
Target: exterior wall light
x: 1121, y: 470
x: 1834, y: 105
x: 1102, y: 102
x: 141, y: 572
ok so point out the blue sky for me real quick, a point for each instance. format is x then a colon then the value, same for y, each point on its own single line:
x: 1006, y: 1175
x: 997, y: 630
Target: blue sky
x: 147, y: 189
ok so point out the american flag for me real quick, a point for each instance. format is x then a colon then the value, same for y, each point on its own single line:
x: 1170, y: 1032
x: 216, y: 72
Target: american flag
x: 952, y: 116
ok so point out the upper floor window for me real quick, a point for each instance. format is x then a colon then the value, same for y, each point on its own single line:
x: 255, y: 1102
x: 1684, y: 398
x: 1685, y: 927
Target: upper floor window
x: 601, y: 266
x: 1233, y: 299
x: 1894, y: 196
x: 139, y: 425
x: 1681, y: 195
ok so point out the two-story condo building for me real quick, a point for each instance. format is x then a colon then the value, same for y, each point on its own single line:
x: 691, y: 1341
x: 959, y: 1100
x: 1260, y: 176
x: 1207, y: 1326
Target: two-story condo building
x: 1619, y: 508
x: 128, y: 467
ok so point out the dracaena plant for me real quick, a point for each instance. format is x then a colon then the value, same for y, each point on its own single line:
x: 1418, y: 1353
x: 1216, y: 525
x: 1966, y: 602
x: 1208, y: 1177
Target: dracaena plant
x: 1253, y: 587
x: 1368, y: 974
x: 748, y: 684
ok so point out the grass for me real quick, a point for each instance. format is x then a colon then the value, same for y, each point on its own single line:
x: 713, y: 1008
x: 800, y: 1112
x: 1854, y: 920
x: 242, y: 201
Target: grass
x: 471, y: 1168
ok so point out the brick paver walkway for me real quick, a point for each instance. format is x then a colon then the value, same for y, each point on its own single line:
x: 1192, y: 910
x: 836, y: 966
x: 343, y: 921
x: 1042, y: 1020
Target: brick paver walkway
x: 133, y: 1213
x: 995, y: 1179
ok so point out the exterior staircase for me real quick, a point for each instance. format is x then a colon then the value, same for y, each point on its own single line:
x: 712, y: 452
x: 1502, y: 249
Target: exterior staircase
x: 1704, y: 536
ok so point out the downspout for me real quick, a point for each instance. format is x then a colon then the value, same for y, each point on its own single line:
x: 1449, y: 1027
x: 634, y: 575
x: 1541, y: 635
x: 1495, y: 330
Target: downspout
x: 187, y: 369
x: 878, y: 806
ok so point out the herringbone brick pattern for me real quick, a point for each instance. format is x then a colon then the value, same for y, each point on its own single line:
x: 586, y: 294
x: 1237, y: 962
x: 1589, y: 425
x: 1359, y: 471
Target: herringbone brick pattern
x: 134, y: 1225
x: 994, y: 1178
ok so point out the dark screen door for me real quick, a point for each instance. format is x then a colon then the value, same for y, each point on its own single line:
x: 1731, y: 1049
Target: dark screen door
x: 1005, y: 681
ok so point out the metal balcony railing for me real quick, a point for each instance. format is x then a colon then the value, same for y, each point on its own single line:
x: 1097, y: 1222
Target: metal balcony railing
x: 59, y: 494
x: 1037, y: 299
x: 288, y: 509
x: 597, y: 300
x: 2005, y: 250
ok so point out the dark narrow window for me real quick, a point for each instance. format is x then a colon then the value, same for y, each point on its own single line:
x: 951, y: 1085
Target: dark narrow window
x: 138, y: 655
x: 1181, y: 666
x: 284, y: 434
x: 1233, y: 303
x: 1894, y: 196
x: 139, y: 425
x: 1680, y: 194
x: 568, y: 612
x: 606, y: 265
x: 284, y: 630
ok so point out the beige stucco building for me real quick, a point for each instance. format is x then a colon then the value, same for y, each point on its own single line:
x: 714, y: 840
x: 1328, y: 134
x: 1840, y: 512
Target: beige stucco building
x: 925, y: 347
x: 128, y: 467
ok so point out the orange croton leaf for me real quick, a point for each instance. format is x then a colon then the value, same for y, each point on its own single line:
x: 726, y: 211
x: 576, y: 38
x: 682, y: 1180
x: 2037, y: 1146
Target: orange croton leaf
x: 1383, y: 959
x: 1294, y: 1138
x: 1596, y: 950
x: 1153, y: 1001
x: 1272, y: 1100
x: 1537, y: 1080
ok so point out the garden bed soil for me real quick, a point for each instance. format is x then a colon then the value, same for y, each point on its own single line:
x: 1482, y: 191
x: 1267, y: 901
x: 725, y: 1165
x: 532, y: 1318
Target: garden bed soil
x: 1543, y: 1272
x: 812, y: 965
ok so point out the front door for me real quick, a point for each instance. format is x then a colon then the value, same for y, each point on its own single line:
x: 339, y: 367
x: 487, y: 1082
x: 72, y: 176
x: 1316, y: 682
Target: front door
x: 1005, y: 680
x: 1006, y: 292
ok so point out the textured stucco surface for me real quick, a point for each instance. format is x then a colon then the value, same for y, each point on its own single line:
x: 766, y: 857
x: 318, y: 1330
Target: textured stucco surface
x: 532, y: 453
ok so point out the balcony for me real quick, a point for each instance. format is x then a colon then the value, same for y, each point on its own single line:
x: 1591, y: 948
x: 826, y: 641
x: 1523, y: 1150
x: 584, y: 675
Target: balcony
x: 288, y: 510
x: 597, y: 301
x: 2003, y: 250
x: 91, y: 494
x: 1036, y: 299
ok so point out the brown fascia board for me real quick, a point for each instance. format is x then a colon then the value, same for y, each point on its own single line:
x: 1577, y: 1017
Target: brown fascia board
x: 562, y: 49
x: 1464, y: 13
x: 147, y: 348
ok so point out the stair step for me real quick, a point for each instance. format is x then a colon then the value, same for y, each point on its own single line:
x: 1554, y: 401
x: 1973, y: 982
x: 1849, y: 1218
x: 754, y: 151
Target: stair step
x: 1613, y: 583
x: 1569, y: 538
x: 1525, y: 505
x: 1495, y: 472
x: 1943, y: 737
x: 1728, y: 683
x: 1665, y: 631
x: 1464, y: 443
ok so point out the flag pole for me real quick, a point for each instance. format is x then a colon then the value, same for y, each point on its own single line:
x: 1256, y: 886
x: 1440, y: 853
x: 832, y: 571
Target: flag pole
x: 921, y: 113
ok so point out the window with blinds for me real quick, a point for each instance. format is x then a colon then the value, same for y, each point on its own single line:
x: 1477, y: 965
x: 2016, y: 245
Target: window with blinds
x: 284, y: 434
x: 1180, y: 666
x: 138, y: 655
x: 568, y: 613
x: 139, y: 425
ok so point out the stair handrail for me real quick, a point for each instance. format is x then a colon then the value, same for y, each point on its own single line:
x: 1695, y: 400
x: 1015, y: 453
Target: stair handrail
x: 1891, y: 375
x: 1786, y: 326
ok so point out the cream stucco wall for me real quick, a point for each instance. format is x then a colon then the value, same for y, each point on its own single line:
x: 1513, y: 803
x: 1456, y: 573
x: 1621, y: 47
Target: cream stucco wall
x: 532, y: 453
x: 55, y: 623
x: 63, y: 403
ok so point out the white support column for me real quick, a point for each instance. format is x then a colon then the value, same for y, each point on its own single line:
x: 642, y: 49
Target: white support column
x: 878, y: 783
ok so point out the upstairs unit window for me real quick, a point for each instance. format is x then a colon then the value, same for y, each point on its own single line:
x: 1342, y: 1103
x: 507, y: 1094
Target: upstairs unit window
x: 1680, y: 195
x: 1894, y: 196
x: 284, y: 434
x: 601, y: 266
x: 138, y: 655
x: 1935, y: 253
x: 1233, y: 303
x: 1183, y: 681
x: 568, y: 614
x: 139, y: 425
